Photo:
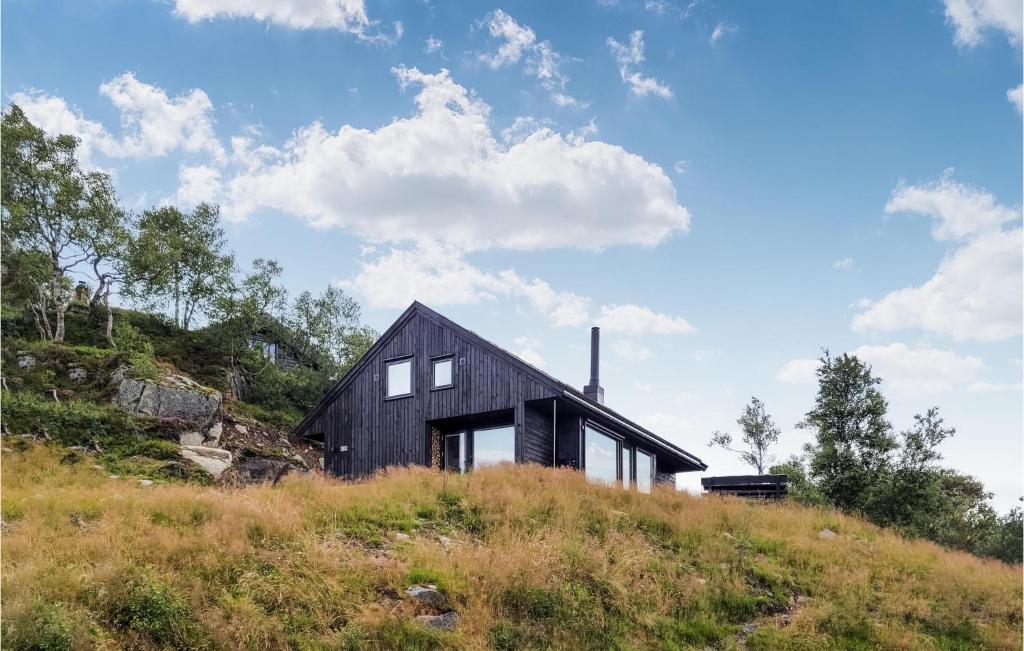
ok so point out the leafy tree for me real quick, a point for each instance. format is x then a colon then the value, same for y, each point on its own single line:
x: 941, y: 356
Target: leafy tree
x: 179, y: 259
x: 799, y: 486
x: 759, y: 434
x: 51, y: 205
x: 255, y: 301
x: 327, y: 327
x: 853, y: 438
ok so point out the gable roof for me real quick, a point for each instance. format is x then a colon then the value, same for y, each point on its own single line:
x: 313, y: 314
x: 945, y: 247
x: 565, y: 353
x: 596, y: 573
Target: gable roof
x: 567, y: 390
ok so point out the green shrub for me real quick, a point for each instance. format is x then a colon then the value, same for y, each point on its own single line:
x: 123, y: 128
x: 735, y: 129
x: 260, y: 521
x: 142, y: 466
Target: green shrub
x: 43, y: 627
x: 143, y: 604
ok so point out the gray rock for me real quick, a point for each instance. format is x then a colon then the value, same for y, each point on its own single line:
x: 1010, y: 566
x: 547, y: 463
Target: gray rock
x: 77, y: 374
x: 213, y: 460
x: 174, y: 397
x: 445, y: 622
x: 401, y: 536
x: 826, y: 534
x: 27, y: 362
x: 214, y: 433
x: 242, y: 429
x: 426, y: 595
x: 191, y: 438
x: 256, y: 470
x: 145, y: 482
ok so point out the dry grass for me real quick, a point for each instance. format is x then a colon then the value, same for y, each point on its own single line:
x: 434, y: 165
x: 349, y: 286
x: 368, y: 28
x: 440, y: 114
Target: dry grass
x: 537, y: 558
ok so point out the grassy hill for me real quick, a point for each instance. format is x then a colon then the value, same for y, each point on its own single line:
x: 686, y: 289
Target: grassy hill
x: 528, y: 557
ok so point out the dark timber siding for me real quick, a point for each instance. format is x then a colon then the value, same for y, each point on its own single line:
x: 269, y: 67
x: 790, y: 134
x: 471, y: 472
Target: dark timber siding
x: 380, y: 432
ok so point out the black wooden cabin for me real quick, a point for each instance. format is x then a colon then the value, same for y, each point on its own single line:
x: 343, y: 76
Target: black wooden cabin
x: 433, y: 393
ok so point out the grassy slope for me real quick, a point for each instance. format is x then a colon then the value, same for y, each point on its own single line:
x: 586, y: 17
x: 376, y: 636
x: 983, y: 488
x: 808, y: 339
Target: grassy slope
x: 537, y: 558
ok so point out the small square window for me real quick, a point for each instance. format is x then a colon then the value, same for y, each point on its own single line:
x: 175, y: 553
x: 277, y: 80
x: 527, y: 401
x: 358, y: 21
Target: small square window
x: 442, y: 372
x: 399, y: 374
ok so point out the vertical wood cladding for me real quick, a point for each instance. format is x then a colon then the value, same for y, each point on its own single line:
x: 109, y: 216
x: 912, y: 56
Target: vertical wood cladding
x: 380, y: 432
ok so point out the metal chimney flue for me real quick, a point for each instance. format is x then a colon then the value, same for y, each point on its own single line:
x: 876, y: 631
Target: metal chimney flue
x: 594, y: 391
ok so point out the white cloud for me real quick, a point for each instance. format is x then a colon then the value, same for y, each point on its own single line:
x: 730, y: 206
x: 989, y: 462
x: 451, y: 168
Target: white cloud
x: 635, y: 320
x: 437, y: 274
x: 442, y: 174
x: 343, y: 15
x: 989, y: 387
x: 905, y: 370
x: 432, y: 44
x: 527, y: 348
x: 1016, y: 97
x: 958, y: 210
x: 642, y: 387
x: 798, y: 371
x: 680, y: 166
x: 198, y: 183
x: 721, y: 29
x: 629, y: 56
x: 917, y: 371
x: 976, y: 291
x: 666, y: 425
x: 628, y: 350
x: 152, y: 123
x: 519, y: 45
x: 974, y: 294
x: 846, y: 264
x: 972, y: 18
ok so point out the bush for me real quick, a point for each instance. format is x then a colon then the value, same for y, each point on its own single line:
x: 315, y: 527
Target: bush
x: 143, y: 604
x: 44, y: 627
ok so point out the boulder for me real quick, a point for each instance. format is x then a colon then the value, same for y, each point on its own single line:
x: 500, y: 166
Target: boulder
x: 256, y: 470
x: 145, y: 482
x: 174, y: 397
x: 213, y: 434
x: 445, y: 622
x: 826, y: 534
x: 426, y: 595
x: 77, y: 374
x: 26, y: 362
x: 191, y: 438
x: 213, y: 460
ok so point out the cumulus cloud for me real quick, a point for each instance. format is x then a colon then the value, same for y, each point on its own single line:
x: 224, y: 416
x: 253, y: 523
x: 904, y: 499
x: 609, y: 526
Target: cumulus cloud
x: 439, y: 274
x: 153, y: 124
x: 1016, y: 97
x: 528, y: 349
x: 442, y: 174
x: 432, y: 45
x: 629, y: 57
x: 846, y: 264
x: 905, y: 370
x: 343, y: 15
x: 630, y: 351
x: 635, y: 320
x: 972, y: 19
x: 798, y: 371
x: 519, y: 45
x: 976, y: 293
x: 918, y: 371
x: 958, y: 210
x: 197, y: 183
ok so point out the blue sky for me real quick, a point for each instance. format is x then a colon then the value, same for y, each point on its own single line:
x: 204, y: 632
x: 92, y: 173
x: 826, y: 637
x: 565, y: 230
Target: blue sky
x: 725, y: 188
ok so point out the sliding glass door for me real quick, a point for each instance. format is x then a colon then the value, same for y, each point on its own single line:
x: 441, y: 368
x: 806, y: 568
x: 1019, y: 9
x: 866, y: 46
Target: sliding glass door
x: 476, y: 448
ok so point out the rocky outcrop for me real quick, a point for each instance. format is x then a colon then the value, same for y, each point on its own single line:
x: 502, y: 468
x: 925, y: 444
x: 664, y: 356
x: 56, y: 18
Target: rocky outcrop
x: 256, y: 470
x: 174, y: 396
x: 446, y: 622
x: 213, y: 460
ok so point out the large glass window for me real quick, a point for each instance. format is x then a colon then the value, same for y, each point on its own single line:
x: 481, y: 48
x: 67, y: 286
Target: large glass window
x: 442, y: 372
x: 455, y: 452
x: 399, y: 378
x: 644, y: 471
x: 494, y: 445
x: 602, y: 456
x: 627, y: 467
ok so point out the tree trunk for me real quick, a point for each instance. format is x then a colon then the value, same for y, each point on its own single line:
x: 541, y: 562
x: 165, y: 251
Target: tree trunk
x: 110, y: 317
x: 59, y: 304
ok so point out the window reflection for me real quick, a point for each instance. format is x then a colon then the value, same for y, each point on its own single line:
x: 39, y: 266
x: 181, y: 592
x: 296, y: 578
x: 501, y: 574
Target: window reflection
x: 494, y: 445
x: 602, y: 454
x: 644, y: 471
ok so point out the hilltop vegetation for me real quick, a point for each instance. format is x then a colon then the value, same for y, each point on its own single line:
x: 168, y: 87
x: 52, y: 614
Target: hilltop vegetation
x: 528, y: 557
